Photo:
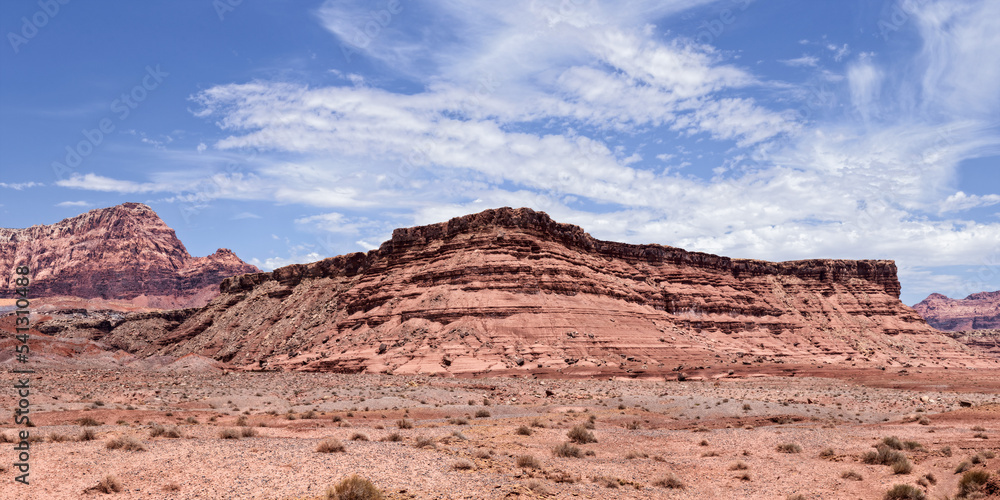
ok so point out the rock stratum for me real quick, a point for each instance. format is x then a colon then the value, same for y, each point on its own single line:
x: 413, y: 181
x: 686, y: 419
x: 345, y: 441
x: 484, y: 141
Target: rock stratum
x: 512, y: 291
x: 123, y: 252
x: 979, y: 311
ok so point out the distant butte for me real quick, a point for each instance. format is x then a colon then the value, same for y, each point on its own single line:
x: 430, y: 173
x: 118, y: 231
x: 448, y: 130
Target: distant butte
x: 979, y: 311
x: 124, y: 252
x: 510, y: 291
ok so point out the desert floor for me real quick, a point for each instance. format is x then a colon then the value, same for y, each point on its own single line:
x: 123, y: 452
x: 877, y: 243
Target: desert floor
x: 717, y: 437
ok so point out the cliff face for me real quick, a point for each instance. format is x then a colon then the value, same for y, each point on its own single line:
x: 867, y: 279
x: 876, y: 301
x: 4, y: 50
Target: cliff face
x: 979, y: 311
x: 512, y: 290
x: 122, y: 252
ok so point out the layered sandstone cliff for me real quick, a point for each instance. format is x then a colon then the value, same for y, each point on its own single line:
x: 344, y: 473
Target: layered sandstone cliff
x: 979, y: 311
x: 510, y: 290
x: 122, y: 252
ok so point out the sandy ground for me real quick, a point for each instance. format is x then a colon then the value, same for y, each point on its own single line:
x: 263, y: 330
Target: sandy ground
x: 646, y: 430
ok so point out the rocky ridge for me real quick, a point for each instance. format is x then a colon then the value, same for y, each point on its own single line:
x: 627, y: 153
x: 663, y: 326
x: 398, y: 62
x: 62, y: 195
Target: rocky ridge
x: 510, y: 290
x: 122, y: 252
x: 979, y: 311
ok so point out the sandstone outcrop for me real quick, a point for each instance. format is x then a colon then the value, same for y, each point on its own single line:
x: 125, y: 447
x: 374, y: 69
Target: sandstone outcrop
x: 979, y: 311
x: 512, y: 291
x: 123, y: 252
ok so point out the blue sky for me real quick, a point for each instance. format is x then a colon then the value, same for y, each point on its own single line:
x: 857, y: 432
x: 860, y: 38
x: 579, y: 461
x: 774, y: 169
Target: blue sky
x: 295, y: 130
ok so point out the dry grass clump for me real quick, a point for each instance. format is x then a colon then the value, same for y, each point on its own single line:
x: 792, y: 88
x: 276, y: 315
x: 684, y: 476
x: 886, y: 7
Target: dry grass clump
x: 404, y: 424
x: 827, y: 453
x: 904, y: 492
x: 893, y: 442
x: 962, y: 467
x: 972, y: 483
x: 330, y: 445
x: 55, y: 437
x: 635, y: 454
x: 159, y: 430
x: 458, y: 421
x: 580, y: 435
x: 523, y: 430
x: 538, y: 487
x: 741, y: 465
x: 127, y: 443
x: 248, y: 432
x: 88, y: 422
x: 853, y: 476
x: 463, y: 464
x: 357, y: 436
x: 393, y: 438
x: 902, y: 466
x: 110, y: 484
x: 789, y: 448
x: 567, y: 450
x: 484, y: 413
x: 87, y: 435
x: 884, y: 455
x: 537, y: 423
x: 527, y: 462
x: 354, y: 487
x: 171, y: 487
x: 424, y: 442
x: 229, y: 434
x: 670, y: 481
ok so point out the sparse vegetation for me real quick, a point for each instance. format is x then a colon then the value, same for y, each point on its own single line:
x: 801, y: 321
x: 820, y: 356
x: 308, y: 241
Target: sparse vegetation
x: 789, y: 448
x: 87, y: 434
x: 88, y: 422
x: 527, y: 462
x: 404, y: 424
x: 109, y: 484
x: 580, y: 435
x: 523, y: 430
x: 463, y: 464
x: 669, y: 481
x: 354, y: 487
x: 424, y: 442
x: 566, y: 450
x: 127, y: 443
x: 741, y: 465
x: 229, y: 434
x: 853, y: 476
x: 484, y: 413
x: 962, y: 467
x: 394, y: 437
x: 248, y: 432
x: 972, y: 482
x: 904, y: 492
x: 357, y: 436
x: 330, y: 445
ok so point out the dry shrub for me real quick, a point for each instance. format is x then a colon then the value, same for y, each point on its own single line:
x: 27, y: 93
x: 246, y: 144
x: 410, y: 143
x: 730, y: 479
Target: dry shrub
x: 404, y: 424
x: 88, y: 422
x: 229, y: 434
x: 537, y: 423
x: 172, y: 487
x: 523, y: 430
x: 458, y: 421
x: 567, y: 450
x: 670, y: 481
x: 579, y: 434
x: 483, y: 413
x: 972, y: 482
x: 424, y: 442
x: 789, y: 448
x: 110, y: 484
x: 393, y: 438
x: 354, y: 487
x: 827, y: 453
x: 463, y: 464
x: 893, y: 442
x: 853, y: 476
x: 127, y: 443
x: 538, y: 487
x: 635, y: 454
x: 57, y: 438
x: 904, y: 492
x: 330, y: 445
x: 527, y: 462
x: 902, y: 466
x: 739, y: 466
x: 248, y: 432
x: 357, y: 436
x: 87, y: 435
x: 962, y: 467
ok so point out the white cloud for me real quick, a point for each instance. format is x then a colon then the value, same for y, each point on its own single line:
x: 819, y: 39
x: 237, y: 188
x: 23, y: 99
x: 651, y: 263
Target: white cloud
x: 806, y: 61
x: 73, y: 204
x: 273, y: 263
x: 96, y: 182
x: 961, y: 201
x: 865, y: 80
x: 201, y: 147
x: 18, y: 186
x: 839, y: 52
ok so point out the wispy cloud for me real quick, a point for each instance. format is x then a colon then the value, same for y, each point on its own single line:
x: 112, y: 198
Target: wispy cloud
x: 19, y: 186
x: 804, y: 61
x: 73, y: 204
